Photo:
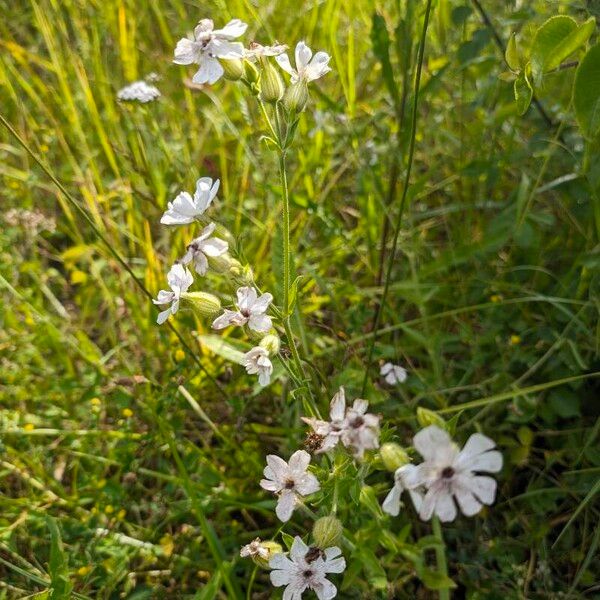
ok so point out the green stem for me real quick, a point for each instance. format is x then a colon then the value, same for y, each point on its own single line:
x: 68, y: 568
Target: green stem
x: 440, y: 555
x: 411, y: 153
x: 285, y: 206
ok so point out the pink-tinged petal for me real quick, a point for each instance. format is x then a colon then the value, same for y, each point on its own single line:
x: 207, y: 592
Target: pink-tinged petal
x: 260, y: 323
x: 484, y: 488
x: 391, y: 504
x: 303, y: 55
x: 432, y: 440
x: 185, y: 52
x: 283, y: 60
x: 214, y: 247
x: 229, y: 317
x: 330, y: 441
x: 307, y: 485
x: 261, y: 304
x: 318, y: 426
x: 232, y: 30
x: 468, y: 504
x: 270, y: 485
x: 299, y: 461
x: 445, y: 508
x: 163, y: 316
x: 279, y: 467
x: 298, y: 549
x: 360, y: 406
x: 325, y: 590
x: 285, y: 505
x: 337, y: 408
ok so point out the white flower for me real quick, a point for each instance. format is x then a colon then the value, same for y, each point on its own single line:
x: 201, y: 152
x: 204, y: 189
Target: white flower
x: 450, y: 475
x: 330, y: 431
x: 393, y: 374
x: 208, y: 46
x: 362, y: 429
x: 255, y: 549
x: 307, y: 68
x: 202, y: 247
x: 306, y: 568
x: 402, y: 478
x: 251, y: 310
x: 184, y: 209
x: 256, y: 50
x: 138, y: 91
x: 257, y: 361
x: 289, y: 480
x: 179, y: 279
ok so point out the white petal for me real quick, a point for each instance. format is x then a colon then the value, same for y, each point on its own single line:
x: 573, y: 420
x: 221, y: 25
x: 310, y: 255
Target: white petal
x: 229, y: 317
x: 270, y: 485
x: 285, y: 505
x: 391, y: 504
x: 303, y: 55
x: 261, y: 304
x: 431, y: 442
x: 445, y: 508
x: 246, y: 297
x: 280, y: 577
x: 299, y: 461
x: 206, y: 232
x: 214, y: 247
x: 164, y: 297
x: 163, y: 316
x: 360, y: 406
x: 226, y: 50
x: 386, y: 368
x: 309, y: 484
x: 477, y: 444
x: 283, y: 60
x: 200, y: 263
x: 260, y: 323
x: 181, y: 211
x: 294, y: 590
x: 484, y: 488
x: 298, y: 549
x: 469, y: 505
x: 185, y: 52
x: 429, y: 502
x: 209, y: 72
x: 337, y: 408
x: 281, y: 561
x: 264, y: 376
x: 204, y: 26
x: 278, y: 467
x: 325, y: 590
x: 202, y: 195
x: 318, y: 66
x: 232, y: 30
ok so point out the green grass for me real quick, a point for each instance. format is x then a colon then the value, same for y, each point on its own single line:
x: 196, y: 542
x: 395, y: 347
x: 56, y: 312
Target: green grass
x: 499, y: 239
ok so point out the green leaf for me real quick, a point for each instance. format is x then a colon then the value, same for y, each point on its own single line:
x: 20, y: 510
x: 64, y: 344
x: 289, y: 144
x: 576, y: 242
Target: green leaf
x: 435, y: 580
x: 293, y: 294
x: 512, y: 54
x: 57, y: 567
x: 222, y: 348
x: 523, y: 93
x: 555, y: 41
x: 380, y: 40
x: 586, y: 93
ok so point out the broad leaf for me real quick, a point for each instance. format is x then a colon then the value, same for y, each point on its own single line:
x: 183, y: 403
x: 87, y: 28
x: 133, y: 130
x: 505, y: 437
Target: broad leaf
x: 586, y: 93
x: 523, y: 93
x: 512, y: 54
x: 222, y: 348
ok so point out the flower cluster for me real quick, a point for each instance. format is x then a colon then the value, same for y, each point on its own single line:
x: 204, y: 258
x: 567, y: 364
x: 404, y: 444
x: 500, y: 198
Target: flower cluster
x: 138, y: 91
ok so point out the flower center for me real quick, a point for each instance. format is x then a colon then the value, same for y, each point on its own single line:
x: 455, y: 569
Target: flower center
x: 245, y: 313
x: 308, y: 574
x: 357, y: 422
x: 447, y: 473
x: 289, y: 484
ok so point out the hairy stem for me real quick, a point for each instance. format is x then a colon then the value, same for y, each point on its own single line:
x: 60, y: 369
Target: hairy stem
x: 440, y: 556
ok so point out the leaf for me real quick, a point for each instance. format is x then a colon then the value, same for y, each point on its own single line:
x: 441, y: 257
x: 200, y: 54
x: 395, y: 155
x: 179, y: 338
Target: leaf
x: 435, y: 580
x: 586, y: 93
x: 293, y: 295
x: 222, y: 348
x: 555, y: 41
x: 512, y: 54
x: 523, y: 93
x: 57, y: 566
x: 380, y: 39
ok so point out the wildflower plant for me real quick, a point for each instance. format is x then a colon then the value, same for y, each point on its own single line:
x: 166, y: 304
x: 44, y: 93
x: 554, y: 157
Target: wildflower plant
x: 345, y: 448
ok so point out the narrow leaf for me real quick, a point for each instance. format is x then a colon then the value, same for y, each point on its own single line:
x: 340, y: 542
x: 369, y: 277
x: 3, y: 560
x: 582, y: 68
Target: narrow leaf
x: 586, y: 93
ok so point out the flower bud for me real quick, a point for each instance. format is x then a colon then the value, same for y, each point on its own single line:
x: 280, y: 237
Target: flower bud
x: 233, y: 68
x: 225, y: 264
x: 393, y: 456
x: 327, y: 532
x: 271, y: 343
x: 205, y: 305
x: 251, y: 72
x: 296, y: 97
x: 427, y: 417
x: 273, y: 548
x: 271, y: 84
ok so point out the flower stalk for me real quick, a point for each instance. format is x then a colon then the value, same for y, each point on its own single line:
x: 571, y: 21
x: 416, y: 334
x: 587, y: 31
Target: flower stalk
x: 440, y: 556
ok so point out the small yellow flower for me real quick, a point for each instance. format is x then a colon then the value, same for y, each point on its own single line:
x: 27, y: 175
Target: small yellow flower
x: 514, y: 340
x: 100, y: 483
x: 109, y: 509
x: 44, y: 148
x: 121, y: 514
x: 127, y: 413
x: 83, y: 571
x: 179, y: 355
x: 495, y: 298
x: 29, y: 427
x: 95, y: 402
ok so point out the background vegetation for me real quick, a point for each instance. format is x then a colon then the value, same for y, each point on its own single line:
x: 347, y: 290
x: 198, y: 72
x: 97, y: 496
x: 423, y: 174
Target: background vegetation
x: 115, y: 444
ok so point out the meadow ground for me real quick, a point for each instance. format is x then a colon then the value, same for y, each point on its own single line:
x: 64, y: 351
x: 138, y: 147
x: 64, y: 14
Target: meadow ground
x: 130, y: 458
